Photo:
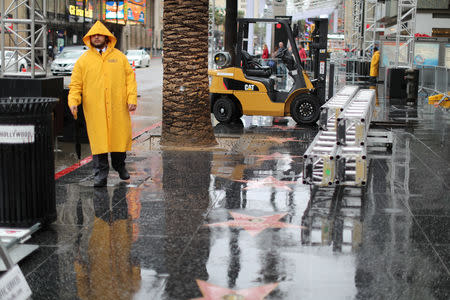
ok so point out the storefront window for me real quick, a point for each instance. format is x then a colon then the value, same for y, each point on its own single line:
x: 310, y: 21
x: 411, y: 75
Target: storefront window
x: 51, y: 6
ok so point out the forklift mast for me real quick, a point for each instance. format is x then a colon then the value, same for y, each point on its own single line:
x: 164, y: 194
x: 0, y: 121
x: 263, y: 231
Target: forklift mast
x: 280, y: 34
x: 286, y: 26
x: 318, y: 53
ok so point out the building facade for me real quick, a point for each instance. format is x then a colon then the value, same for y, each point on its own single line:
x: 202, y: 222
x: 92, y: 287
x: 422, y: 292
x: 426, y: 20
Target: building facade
x: 131, y: 21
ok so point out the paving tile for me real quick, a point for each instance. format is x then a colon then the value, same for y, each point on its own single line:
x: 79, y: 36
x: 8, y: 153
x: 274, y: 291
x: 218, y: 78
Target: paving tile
x: 149, y: 238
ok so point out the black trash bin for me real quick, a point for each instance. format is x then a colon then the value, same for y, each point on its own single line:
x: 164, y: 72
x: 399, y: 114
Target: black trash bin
x: 27, y: 166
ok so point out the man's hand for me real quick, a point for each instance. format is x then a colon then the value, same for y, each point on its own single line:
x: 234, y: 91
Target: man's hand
x: 74, y: 111
x: 132, y: 107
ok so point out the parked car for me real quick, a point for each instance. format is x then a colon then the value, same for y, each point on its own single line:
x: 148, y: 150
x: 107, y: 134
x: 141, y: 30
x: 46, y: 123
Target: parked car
x: 73, y: 48
x: 139, y: 57
x: 11, y: 59
x: 64, y: 62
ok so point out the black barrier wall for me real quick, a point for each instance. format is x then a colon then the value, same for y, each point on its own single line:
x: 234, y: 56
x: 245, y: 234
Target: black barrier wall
x: 27, y: 184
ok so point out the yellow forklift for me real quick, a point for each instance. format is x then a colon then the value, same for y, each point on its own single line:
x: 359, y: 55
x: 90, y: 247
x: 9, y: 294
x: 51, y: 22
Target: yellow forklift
x: 248, y: 87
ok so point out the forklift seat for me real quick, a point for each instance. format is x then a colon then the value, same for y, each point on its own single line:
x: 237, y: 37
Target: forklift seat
x: 253, y: 68
x: 269, y: 83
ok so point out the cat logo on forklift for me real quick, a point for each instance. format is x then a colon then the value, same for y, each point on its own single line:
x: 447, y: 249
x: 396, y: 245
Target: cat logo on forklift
x: 249, y: 87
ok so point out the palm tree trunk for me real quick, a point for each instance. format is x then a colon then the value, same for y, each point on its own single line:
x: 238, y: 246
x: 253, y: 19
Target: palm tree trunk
x: 186, y: 106
x: 186, y: 180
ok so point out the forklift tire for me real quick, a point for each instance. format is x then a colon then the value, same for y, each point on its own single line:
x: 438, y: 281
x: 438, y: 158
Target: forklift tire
x: 238, y: 115
x: 305, y: 109
x: 225, y: 110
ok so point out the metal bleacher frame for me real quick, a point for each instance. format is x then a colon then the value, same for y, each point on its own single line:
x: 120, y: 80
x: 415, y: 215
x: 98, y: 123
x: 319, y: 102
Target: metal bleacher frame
x: 338, y: 153
x: 12, y: 249
x: 319, y: 166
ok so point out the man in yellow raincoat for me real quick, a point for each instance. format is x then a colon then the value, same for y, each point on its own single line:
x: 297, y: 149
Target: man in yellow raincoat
x: 103, y: 81
x: 374, y: 64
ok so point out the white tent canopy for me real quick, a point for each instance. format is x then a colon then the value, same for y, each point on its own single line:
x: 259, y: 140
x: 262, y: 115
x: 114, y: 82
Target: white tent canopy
x: 303, y: 9
x: 312, y: 13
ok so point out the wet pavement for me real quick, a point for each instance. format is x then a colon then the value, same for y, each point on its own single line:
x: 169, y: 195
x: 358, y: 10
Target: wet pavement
x: 239, y: 223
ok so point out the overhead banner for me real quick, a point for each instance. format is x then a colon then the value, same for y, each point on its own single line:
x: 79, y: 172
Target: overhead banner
x: 426, y: 54
x: 114, y: 11
x: 136, y: 11
x: 132, y: 11
x: 78, y: 9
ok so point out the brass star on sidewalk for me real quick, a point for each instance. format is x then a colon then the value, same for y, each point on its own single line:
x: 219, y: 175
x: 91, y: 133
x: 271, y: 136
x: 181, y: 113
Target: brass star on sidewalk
x: 215, y: 292
x: 267, y: 182
x: 254, y: 225
x: 281, y: 140
x: 286, y: 127
x: 275, y: 156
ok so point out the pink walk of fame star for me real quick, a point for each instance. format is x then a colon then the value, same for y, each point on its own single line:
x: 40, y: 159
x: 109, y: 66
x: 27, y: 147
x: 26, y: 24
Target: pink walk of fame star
x: 267, y: 182
x: 215, y: 292
x: 275, y: 156
x: 254, y: 225
x: 286, y: 127
x: 281, y: 140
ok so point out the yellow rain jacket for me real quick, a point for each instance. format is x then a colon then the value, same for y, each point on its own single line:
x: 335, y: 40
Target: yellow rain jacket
x: 105, y: 84
x: 374, y: 64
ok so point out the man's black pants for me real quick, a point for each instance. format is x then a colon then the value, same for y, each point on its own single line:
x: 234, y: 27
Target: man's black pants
x: 101, y: 164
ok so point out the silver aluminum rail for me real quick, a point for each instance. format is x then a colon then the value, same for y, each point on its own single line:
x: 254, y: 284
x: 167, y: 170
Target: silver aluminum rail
x: 10, y: 247
x: 320, y: 166
x: 353, y: 127
x: 338, y: 154
x: 354, y: 121
x: 333, y: 107
x: 351, y: 165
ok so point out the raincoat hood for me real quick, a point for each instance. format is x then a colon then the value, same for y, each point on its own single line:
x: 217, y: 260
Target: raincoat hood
x: 99, y: 28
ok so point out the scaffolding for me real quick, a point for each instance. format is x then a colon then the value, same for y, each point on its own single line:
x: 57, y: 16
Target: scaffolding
x: 356, y: 36
x: 405, y: 31
x: 303, y: 5
x: 27, y: 38
x: 338, y: 153
x: 370, y: 20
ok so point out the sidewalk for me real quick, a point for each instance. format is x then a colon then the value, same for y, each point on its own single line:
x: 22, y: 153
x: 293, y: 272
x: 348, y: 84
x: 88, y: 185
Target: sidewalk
x: 193, y: 224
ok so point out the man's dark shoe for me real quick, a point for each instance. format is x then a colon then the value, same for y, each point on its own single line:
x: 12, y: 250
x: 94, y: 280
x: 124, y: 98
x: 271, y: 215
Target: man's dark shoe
x: 100, y: 182
x: 123, y: 174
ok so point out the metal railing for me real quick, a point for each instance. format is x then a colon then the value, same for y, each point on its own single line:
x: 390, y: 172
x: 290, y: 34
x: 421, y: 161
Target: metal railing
x: 434, y: 80
x: 356, y: 70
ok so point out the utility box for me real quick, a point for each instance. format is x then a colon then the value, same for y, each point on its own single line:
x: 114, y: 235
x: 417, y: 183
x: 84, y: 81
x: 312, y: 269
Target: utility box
x: 396, y: 82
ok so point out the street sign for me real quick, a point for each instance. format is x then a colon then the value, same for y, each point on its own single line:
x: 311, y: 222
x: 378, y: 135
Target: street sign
x: 13, y: 285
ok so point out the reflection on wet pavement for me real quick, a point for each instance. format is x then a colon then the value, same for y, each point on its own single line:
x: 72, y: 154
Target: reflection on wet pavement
x: 240, y: 224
